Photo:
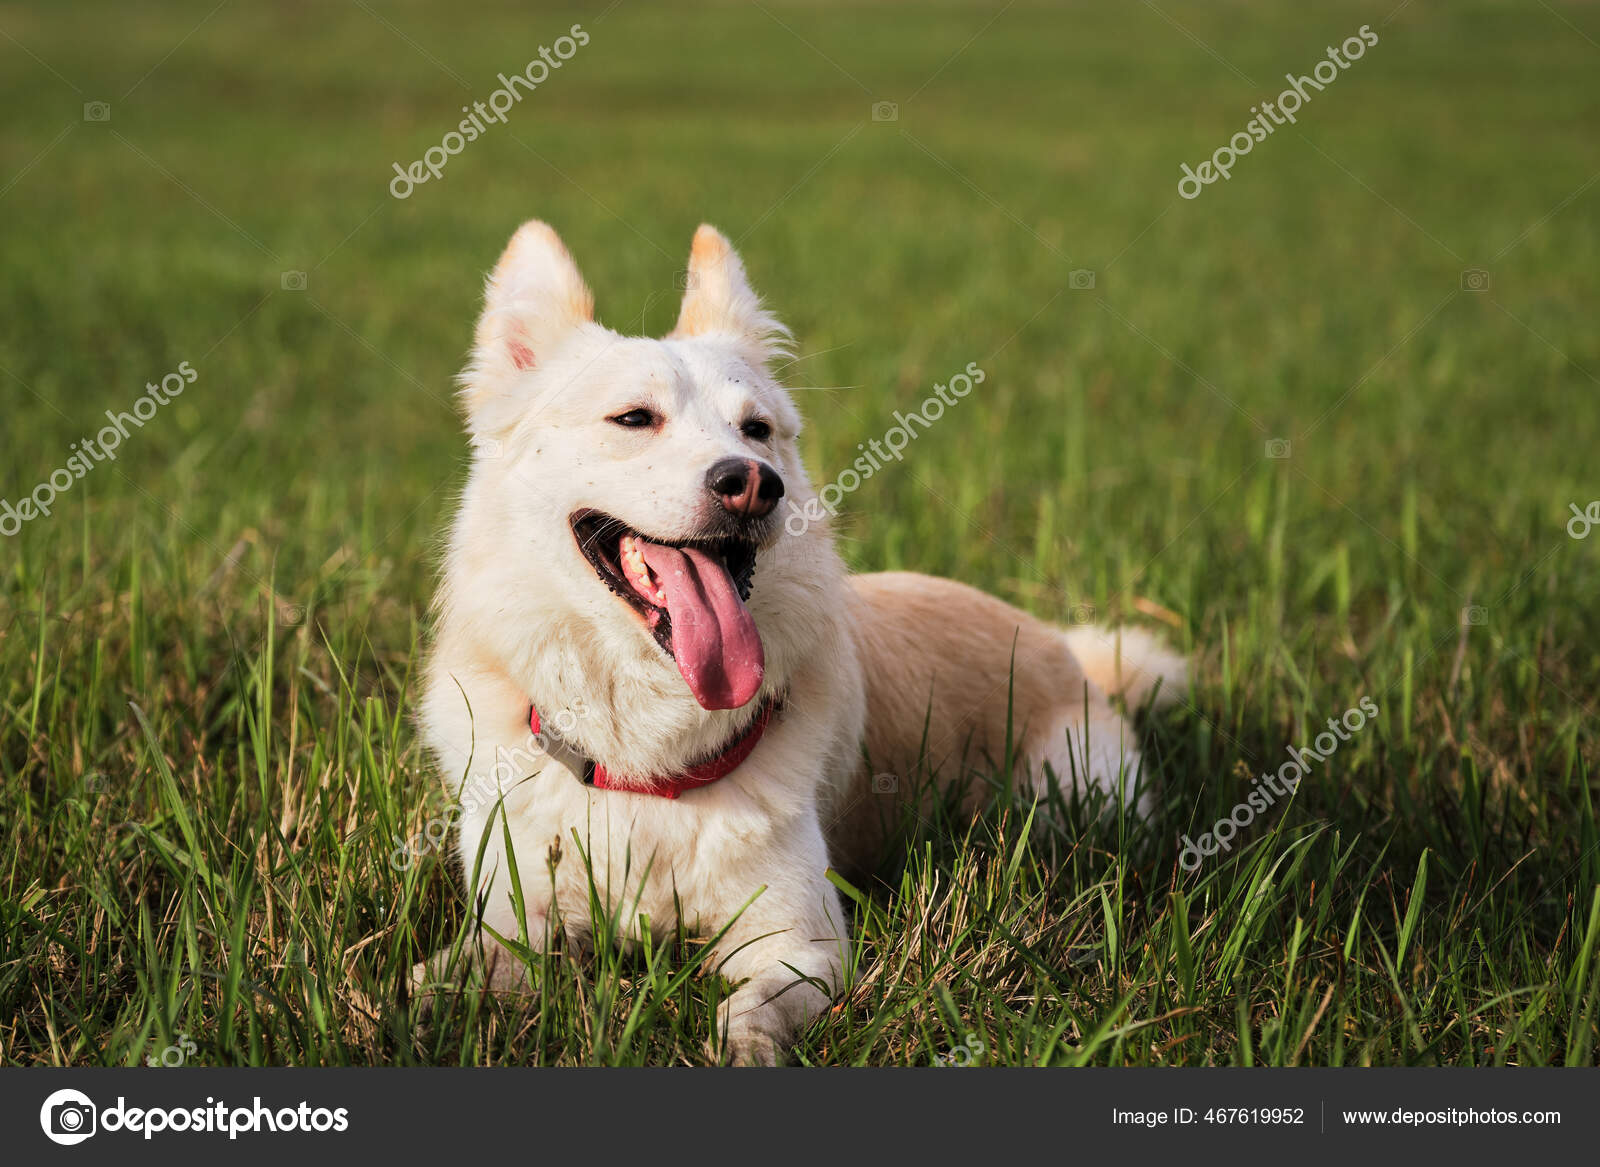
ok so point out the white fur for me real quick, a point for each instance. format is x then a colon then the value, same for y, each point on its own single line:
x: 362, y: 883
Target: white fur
x: 1129, y: 663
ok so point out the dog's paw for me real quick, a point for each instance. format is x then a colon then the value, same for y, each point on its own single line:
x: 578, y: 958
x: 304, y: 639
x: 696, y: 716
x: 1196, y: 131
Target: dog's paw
x: 448, y: 973
x: 747, y: 1044
x: 755, y: 1049
x: 434, y: 978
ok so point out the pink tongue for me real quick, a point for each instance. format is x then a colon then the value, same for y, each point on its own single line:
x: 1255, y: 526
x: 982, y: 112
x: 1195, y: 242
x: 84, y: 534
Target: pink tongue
x: 714, y: 640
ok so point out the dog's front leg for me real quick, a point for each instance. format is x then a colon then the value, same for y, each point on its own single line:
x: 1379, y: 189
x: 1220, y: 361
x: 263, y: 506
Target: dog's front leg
x: 477, y: 726
x: 486, y: 870
x: 789, y: 949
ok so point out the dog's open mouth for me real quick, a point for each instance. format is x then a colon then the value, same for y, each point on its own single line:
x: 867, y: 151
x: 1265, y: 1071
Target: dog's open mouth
x: 691, y: 595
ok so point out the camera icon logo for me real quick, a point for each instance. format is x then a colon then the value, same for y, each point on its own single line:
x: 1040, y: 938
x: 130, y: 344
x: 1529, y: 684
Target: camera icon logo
x: 68, y: 1117
x: 885, y: 111
x: 1278, y: 448
x: 1474, y: 614
x: 1474, y: 279
x: 686, y: 281
x: 1080, y: 280
x: 1082, y: 614
x: 96, y: 111
x: 885, y: 783
x: 294, y: 281
x: 488, y: 447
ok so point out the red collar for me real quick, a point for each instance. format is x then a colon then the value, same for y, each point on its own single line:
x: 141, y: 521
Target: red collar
x: 702, y: 773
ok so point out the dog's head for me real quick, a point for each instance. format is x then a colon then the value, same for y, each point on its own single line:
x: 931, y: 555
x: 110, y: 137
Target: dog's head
x: 641, y: 476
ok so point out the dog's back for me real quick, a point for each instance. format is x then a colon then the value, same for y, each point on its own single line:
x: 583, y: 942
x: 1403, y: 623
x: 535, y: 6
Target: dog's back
x: 945, y: 666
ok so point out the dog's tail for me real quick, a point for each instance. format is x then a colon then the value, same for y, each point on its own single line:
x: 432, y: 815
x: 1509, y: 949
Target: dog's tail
x: 1130, y: 663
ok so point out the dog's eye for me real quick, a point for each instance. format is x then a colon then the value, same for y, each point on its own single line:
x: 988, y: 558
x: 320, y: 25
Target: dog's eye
x: 634, y: 419
x: 756, y: 429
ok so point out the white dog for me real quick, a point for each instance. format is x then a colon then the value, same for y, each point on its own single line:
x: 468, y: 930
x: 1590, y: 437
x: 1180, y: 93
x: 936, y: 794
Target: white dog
x: 702, y: 687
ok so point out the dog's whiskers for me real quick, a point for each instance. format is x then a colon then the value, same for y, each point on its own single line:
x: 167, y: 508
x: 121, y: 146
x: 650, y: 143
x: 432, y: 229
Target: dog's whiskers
x: 789, y: 364
x: 603, y: 532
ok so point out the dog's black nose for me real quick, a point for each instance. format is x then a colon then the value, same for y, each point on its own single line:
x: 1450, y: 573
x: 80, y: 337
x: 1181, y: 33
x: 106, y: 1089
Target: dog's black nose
x: 745, y: 487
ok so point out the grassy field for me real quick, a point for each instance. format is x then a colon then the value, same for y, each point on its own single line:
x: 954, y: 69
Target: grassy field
x: 208, y: 648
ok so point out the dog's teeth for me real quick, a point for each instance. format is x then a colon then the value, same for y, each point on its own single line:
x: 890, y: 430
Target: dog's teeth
x: 637, y: 571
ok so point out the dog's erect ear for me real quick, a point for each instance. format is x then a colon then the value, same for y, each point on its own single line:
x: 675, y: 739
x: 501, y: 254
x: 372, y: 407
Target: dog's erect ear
x: 719, y: 298
x: 534, y: 299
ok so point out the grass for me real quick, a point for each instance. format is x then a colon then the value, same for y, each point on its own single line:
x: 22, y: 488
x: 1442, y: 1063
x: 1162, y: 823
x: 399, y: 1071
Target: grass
x: 208, y: 650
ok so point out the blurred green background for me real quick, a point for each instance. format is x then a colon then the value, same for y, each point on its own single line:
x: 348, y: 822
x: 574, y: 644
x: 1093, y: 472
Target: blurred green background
x: 254, y: 568
x: 1320, y: 285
